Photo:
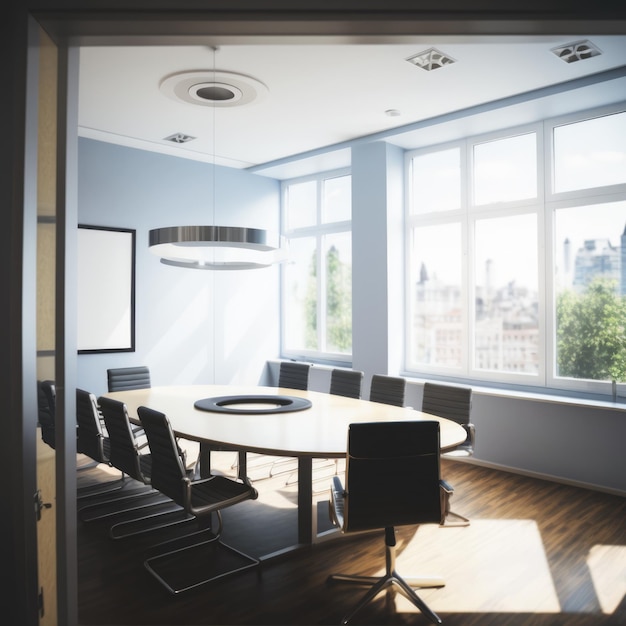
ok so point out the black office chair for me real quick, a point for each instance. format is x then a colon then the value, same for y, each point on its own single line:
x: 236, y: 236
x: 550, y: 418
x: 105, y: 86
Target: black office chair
x: 387, y: 389
x: 200, y: 498
x: 125, y: 455
x: 294, y: 375
x: 125, y: 378
x: 92, y: 441
x: 46, y: 399
x: 392, y: 479
x: 291, y: 375
x: 346, y: 383
x: 453, y: 403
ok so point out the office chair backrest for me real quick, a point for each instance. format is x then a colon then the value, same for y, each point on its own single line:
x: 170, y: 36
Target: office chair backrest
x: 125, y: 378
x: 387, y: 389
x: 124, y: 452
x: 346, y: 383
x: 294, y: 375
x: 453, y: 403
x: 168, y: 468
x: 46, y: 400
x: 392, y: 474
x: 90, y: 438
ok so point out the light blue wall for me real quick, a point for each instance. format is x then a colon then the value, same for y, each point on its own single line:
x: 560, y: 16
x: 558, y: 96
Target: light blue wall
x: 192, y: 326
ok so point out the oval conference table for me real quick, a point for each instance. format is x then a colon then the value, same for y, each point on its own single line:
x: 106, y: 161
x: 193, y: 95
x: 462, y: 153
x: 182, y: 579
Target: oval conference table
x: 244, y: 419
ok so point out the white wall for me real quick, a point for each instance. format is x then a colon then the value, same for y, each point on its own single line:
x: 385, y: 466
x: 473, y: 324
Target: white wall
x: 193, y: 326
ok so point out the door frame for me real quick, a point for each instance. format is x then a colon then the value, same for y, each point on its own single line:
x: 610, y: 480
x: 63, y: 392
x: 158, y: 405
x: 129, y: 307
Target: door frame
x: 70, y: 27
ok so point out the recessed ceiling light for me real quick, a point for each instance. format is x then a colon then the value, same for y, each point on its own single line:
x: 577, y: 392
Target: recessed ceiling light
x: 179, y: 138
x: 431, y: 59
x: 577, y: 51
x: 213, y: 88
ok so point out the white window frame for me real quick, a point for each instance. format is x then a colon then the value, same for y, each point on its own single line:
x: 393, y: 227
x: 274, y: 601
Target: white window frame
x: 543, y: 205
x: 318, y: 230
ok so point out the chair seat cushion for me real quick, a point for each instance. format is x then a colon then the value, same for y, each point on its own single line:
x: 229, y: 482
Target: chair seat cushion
x: 218, y: 492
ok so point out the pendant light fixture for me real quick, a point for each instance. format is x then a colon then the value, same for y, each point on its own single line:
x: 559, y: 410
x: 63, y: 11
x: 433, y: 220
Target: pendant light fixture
x: 215, y: 247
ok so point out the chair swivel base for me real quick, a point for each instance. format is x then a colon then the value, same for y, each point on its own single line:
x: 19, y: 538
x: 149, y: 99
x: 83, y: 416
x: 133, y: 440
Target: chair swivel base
x: 391, y: 578
x: 388, y: 580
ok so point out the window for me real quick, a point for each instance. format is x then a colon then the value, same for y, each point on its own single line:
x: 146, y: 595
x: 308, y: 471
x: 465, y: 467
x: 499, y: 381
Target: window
x: 510, y: 278
x: 317, y: 280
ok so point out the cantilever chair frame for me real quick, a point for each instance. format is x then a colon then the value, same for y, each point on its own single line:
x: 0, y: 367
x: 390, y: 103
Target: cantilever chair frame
x: 392, y: 479
x: 200, y: 498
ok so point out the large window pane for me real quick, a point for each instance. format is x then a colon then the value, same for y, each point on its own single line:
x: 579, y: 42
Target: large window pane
x: 301, y: 204
x: 317, y: 284
x: 436, y: 315
x: 590, y: 259
x: 338, y: 262
x: 505, y: 169
x: 337, y: 204
x: 591, y: 153
x: 506, y: 332
x: 436, y: 184
x: 300, y: 285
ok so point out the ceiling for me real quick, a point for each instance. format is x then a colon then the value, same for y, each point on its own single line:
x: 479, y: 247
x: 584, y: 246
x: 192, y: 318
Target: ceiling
x: 312, y: 96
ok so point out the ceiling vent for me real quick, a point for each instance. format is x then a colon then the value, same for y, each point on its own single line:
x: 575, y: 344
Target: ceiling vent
x: 431, y: 59
x: 577, y: 51
x: 179, y: 138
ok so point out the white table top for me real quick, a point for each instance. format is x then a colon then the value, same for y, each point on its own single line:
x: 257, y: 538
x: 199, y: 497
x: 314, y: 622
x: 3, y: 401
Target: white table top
x: 319, y: 431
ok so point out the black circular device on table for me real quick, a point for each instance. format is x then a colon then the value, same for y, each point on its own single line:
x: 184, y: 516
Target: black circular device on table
x: 234, y: 404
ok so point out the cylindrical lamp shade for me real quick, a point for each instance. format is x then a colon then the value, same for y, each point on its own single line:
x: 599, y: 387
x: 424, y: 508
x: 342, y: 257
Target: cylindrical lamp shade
x: 217, y: 247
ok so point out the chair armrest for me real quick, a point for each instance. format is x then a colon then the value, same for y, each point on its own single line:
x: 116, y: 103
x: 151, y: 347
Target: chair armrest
x: 336, y: 506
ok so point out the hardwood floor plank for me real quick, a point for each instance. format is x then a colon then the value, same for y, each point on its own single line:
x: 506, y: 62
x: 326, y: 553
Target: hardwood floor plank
x: 533, y: 554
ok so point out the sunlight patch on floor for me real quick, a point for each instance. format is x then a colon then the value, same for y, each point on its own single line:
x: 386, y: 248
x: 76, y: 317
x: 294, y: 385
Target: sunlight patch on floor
x: 607, y: 566
x: 485, y: 566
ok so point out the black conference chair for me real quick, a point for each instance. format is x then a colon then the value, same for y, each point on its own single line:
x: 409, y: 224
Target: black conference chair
x: 291, y: 375
x: 125, y: 455
x: 453, y: 403
x: 128, y: 378
x: 392, y: 479
x: 346, y: 383
x: 173, y: 567
x: 387, y: 389
x: 92, y: 441
x: 294, y: 375
x: 46, y: 399
x: 125, y: 378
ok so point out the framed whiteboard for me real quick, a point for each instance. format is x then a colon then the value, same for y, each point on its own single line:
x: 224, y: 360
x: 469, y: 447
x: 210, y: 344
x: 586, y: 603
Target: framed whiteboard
x: 106, y: 289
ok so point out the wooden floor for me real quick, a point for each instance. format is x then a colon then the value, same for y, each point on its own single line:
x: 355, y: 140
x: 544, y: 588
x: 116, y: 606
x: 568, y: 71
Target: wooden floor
x: 536, y: 553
